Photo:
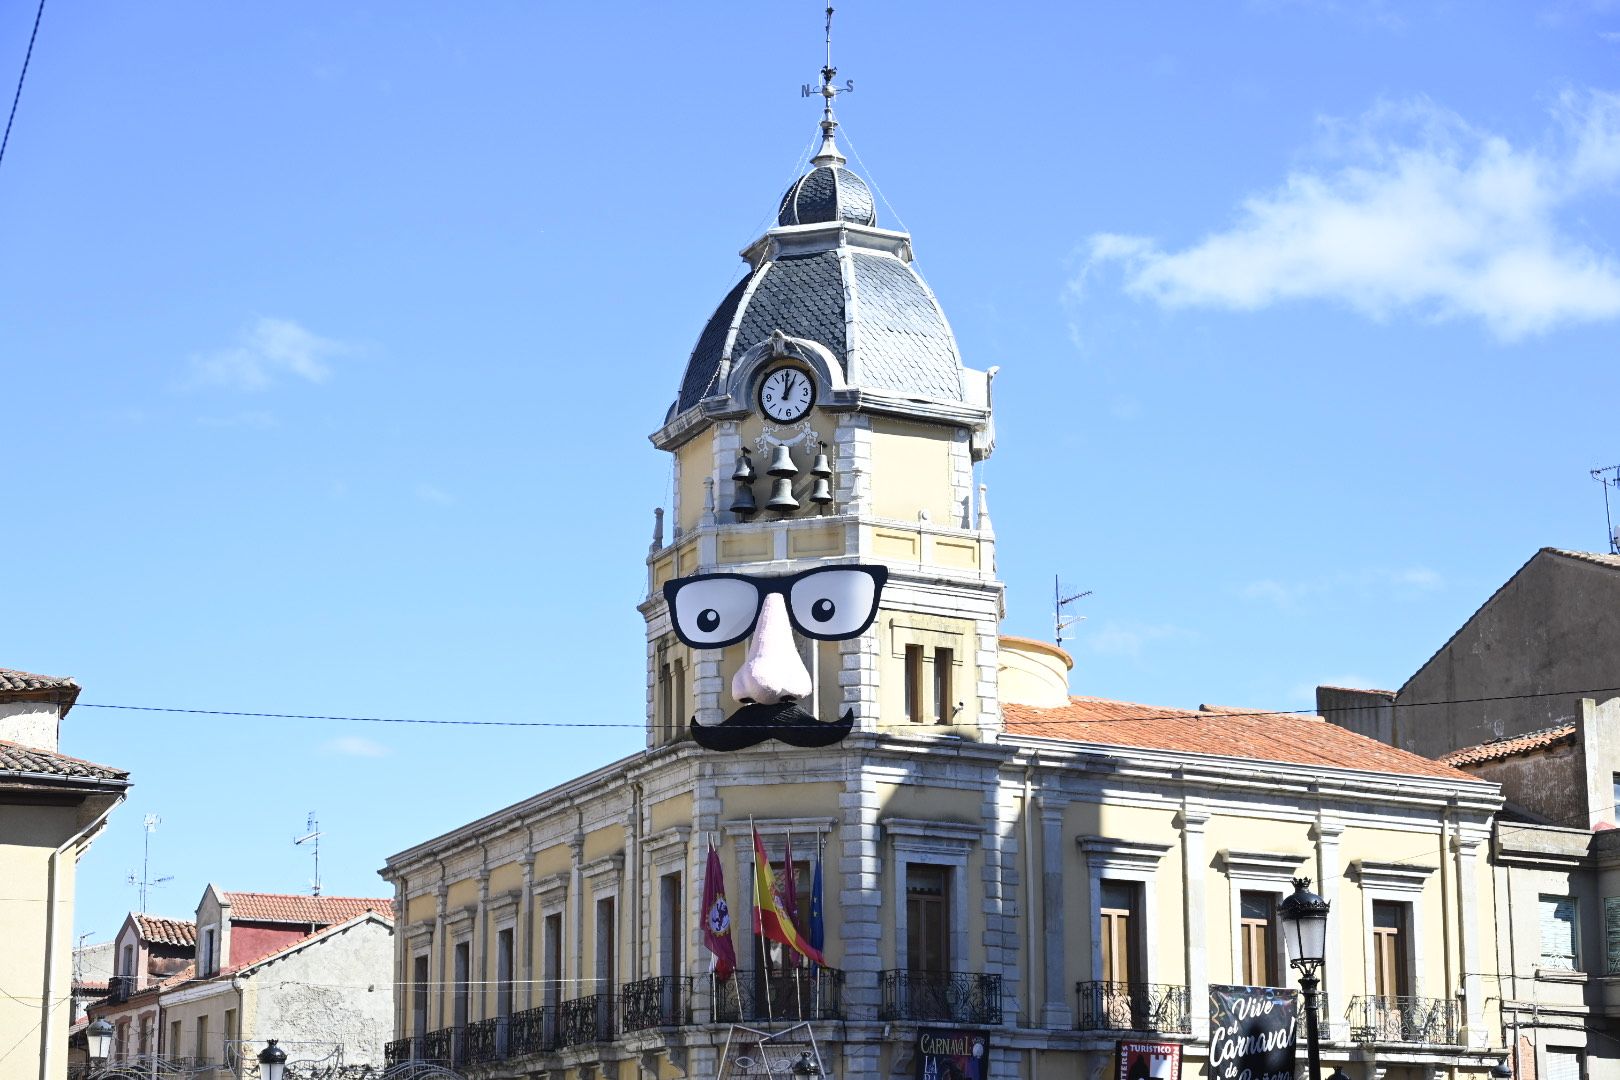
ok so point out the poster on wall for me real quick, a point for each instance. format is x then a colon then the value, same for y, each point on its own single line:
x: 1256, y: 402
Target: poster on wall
x: 1149, y: 1061
x: 1251, y: 1032
x: 952, y: 1054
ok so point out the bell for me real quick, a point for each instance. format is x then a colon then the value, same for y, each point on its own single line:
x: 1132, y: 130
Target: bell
x: 782, y: 462
x: 821, y: 493
x: 821, y: 467
x: 745, y: 469
x: 742, y: 503
x: 782, y: 494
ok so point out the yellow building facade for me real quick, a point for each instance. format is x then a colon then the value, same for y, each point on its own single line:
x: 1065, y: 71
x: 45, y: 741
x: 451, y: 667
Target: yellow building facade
x: 1045, y: 875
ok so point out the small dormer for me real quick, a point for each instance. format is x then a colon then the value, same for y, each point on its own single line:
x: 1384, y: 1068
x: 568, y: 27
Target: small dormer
x: 32, y: 707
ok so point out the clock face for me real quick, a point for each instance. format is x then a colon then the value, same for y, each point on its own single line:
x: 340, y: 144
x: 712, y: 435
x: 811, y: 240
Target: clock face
x: 786, y: 394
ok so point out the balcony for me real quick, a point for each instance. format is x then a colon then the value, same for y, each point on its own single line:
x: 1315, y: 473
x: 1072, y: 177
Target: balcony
x: 441, y: 1047
x: 534, y: 1031
x: 586, y: 1020
x: 1416, y: 1020
x: 402, y: 1050
x: 661, y: 1001
x: 1323, y: 1017
x: 485, y: 1040
x: 956, y: 996
x: 119, y: 989
x: 1118, y: 1006
x: 796, y: 994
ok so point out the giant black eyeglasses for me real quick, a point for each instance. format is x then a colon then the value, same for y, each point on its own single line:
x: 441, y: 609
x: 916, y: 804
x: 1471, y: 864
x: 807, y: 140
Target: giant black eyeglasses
x: 829, y: 603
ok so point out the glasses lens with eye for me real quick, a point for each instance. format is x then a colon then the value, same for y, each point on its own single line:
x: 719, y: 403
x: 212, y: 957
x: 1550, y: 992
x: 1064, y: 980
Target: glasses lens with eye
x: 710, y: 613
x: 835, y: 603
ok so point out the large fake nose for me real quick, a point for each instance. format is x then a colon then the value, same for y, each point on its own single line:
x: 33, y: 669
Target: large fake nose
x: 772, y: 671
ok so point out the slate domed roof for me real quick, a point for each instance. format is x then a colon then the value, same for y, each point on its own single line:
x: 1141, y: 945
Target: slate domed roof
x: 827, y: 193
x: 857, y: 295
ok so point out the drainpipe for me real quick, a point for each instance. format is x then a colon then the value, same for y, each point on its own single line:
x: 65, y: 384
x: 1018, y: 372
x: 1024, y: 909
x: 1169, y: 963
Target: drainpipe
x: 47, y: 1026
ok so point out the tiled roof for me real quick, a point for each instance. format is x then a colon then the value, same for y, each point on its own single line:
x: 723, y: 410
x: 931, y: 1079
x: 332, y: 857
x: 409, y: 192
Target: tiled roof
x: 1497, y: 749
x: 14, y: 757
x: 166, y: 931
x: 26, y: 680
x: 1612, y: 561
x: 311, y: 910
x: 827, y: 193
x: 1225, y: 732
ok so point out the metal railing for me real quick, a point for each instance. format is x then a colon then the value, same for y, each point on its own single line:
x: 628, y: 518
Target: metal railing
x: 1427, y: 1021
x: 586, y: 1020
x: 796, y: 994
x: 119, y: 988
x: 1130, y: 1006
x: 534, y: 1031
x: 1323, y: 1016
x: 964, y: 997
x: 401, y: 1050
x: 485, y: 1040
x: 442, y: 1047
x: 659, y: 1001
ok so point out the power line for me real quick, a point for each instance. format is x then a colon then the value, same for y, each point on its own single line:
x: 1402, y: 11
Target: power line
x: 1182, y: 714
x: 23, y: 75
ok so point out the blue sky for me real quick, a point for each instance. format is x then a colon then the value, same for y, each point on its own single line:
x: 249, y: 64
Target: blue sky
x: 333, y: 336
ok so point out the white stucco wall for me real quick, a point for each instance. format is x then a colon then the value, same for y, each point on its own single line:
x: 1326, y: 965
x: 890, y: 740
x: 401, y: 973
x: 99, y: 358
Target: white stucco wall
x: 32, y: 723
x: 338, y: 991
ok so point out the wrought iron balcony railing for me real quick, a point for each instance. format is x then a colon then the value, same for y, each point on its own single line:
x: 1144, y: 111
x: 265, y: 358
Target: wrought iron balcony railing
x: 795, y: 994
x: 1426, y: 1021
x: 402, y: 1050
x: 660, y: 1001
x: 119, y: 988
x: 1323, y: 1015
x: 442, y: 1047
x: 960, y: 996
x: 587, y: 1020
x: 485, y: 1040
x: 534, y: 1031
x: 1129, y: 1006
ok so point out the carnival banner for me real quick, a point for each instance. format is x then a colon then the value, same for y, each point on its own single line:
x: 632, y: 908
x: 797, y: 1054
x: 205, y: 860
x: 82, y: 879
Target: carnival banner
x: 952, y: 1054
x: 1251, y: 1033
x: 1149, y: 1061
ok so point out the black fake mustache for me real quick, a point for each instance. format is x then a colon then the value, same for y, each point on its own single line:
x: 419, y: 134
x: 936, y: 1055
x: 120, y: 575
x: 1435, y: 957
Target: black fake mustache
x: 754, y: 723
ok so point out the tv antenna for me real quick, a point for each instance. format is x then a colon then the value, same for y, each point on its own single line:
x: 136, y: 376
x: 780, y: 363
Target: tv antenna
x: 1609, y: 477
x: 1062, y: 597
x: 827, y: 89
x: 312, y: 837
x: 78, y: 956
x: 150, y: 823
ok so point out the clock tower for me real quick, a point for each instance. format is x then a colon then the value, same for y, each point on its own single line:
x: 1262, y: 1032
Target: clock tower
x: 825, y: 418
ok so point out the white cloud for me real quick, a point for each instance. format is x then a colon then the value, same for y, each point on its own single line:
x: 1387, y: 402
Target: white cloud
x: 1121, y: 639
x: 1412, y: 209
x: 1289, y: 594
x: 355, y: 746
x: 264, y: 353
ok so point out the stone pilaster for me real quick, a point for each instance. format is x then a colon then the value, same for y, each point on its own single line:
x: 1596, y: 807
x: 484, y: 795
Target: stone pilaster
x: 524, y: 944
x: 861, y: 901
x: 480, y: 1005
x: 1329, y: 880
x: 1466, y: 847
x: 438, y: 1000
x: 1194, y: 869
x: 575, y: 948
x: 1055, y: 1012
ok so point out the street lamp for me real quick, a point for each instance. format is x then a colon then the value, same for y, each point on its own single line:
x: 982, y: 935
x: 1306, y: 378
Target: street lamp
x: 1304, y: 918
x: 272, y: 1059
x: 99, y: 1037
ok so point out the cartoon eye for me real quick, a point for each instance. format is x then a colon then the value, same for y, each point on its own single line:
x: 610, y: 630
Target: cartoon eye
x: 834, y: 603
x: 712, y: 612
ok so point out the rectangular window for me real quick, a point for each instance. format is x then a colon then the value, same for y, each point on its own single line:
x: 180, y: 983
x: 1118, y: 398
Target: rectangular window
x: 1120, y: 916
x: 173, y: 1048
x: 914, y: 684
x: 1389, y: 948
x: 671, y: 924
x: 126, y: 963
x: 227, y: 1035
x: 1256, y: 925
x: 606, y: 969
x: 202, y: 1039
x: 928, y: 918
x: 503, y: 972
x: 1558, y: 940
x: 121, y: 1040
x: 145, y: 1045
x: 944, y: 698
x: 463, y: 1000
x: 419, y: 995
x: 1565, y: 1064
x: 666, y: 704
x: 553, y: 946
x: 210, y: 965
x: 678, y: 699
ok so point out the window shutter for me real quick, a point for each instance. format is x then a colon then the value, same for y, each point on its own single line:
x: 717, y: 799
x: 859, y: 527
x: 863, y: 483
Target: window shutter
x: 1563, y: 1065
x: 1611, y: 932
x: 1558, y: 932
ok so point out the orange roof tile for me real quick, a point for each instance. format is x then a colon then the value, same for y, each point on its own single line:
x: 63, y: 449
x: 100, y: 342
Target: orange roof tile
x: 1497, y: 749
x: 310, y: 910
x: 1225, y: 732
x: 165, y: 931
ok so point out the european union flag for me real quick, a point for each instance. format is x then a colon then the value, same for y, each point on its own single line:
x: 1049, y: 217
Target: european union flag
x: 818, y: 929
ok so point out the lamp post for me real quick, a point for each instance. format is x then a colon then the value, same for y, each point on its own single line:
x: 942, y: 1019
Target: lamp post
x: 99, y: 1036
x: 1304, y: 918
x: 272, y: 1059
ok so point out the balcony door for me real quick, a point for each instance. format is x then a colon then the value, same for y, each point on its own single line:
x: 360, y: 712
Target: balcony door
x: 1120, y: 920
x: 928, y: 919
x: 1389, y: 945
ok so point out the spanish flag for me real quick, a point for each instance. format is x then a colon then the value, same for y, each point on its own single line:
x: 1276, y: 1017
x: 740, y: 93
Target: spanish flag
x: 769, y: 919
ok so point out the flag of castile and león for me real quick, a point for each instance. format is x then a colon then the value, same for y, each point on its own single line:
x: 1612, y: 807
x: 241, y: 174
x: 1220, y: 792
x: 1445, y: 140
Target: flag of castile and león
x: 769, y: 919
x: 717, y: 918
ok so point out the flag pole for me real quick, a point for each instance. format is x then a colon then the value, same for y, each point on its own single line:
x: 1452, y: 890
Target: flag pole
x: 815, y: 877
x: 759, y: 921
x: 798, y: 991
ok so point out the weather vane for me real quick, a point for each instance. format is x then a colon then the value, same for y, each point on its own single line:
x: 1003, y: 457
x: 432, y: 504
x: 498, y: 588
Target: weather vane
x: 827, y: 89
